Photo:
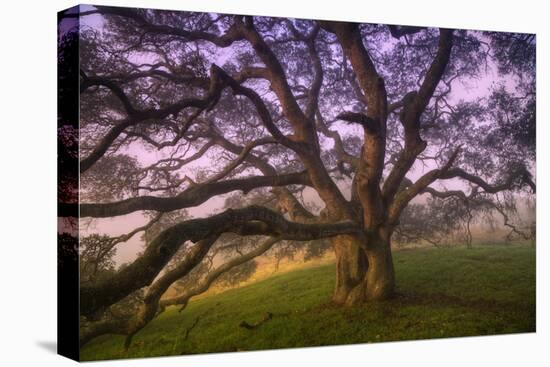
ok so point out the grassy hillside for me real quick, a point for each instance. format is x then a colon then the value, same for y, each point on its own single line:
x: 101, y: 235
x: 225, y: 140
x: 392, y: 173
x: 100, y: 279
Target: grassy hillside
x: 441, y: 293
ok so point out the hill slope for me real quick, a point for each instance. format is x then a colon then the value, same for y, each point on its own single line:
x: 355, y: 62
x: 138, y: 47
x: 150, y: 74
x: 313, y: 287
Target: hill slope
x: 441, y: 293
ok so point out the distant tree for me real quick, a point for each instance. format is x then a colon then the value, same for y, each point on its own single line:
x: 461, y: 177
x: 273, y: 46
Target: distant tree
x: 366, y: 116
x: 437, y: 222
x: 96, y: 258
x: 449, y: 221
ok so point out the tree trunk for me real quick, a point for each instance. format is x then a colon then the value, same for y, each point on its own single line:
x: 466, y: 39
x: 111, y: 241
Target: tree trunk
x: 351, y: 266
x: 380, y: 277
x: 363, y: 275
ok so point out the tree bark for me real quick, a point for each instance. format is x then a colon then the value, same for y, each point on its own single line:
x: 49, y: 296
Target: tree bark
x: 364, y: 271
x: 351, y: 266
x: 380, y: 277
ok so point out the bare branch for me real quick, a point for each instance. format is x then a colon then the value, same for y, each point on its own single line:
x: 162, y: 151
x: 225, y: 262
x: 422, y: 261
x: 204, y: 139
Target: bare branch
x: 242, y: 157
x: 127, y: 236
x: 195, y: 195
x: 315, y: 88
x: 368, y: 123
x: 305, y: 136
x: 406, y: 195
x: 216, y: 273
x: 278, y: 80
x: 287, y: 203
x: 341, y: 152
x: 433, y: 76
x: 519, y: 176
x: 137, y: 116
x: 88, y: 82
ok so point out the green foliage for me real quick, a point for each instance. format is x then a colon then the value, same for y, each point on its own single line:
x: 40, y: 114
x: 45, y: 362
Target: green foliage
x: 96, y: 258
x: 111, y: 178
x: 447, y: 292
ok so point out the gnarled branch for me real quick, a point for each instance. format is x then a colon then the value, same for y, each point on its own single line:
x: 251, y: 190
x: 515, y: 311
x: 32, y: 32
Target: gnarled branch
x: 195, y: 195
x: 520, y: 175
x: 137, y: 116
x: 248, y: 221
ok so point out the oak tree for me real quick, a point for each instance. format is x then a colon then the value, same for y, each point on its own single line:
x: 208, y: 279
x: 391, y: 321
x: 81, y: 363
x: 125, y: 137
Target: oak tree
x: 178, y: 108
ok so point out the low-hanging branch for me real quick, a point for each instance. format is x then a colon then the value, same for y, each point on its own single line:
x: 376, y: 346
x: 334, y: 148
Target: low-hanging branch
x: 148, y: 309
x: 216, y: 273
x: 252, y: 220
x: 131, y: 323
x: 152, y: 305
x: 474, y: 198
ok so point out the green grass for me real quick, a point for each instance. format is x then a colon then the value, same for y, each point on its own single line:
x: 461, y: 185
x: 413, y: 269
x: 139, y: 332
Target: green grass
x: 440, y: 293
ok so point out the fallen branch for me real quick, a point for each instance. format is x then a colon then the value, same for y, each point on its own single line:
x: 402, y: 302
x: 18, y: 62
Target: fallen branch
x: 268, y: 316
x: 190, y: 328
